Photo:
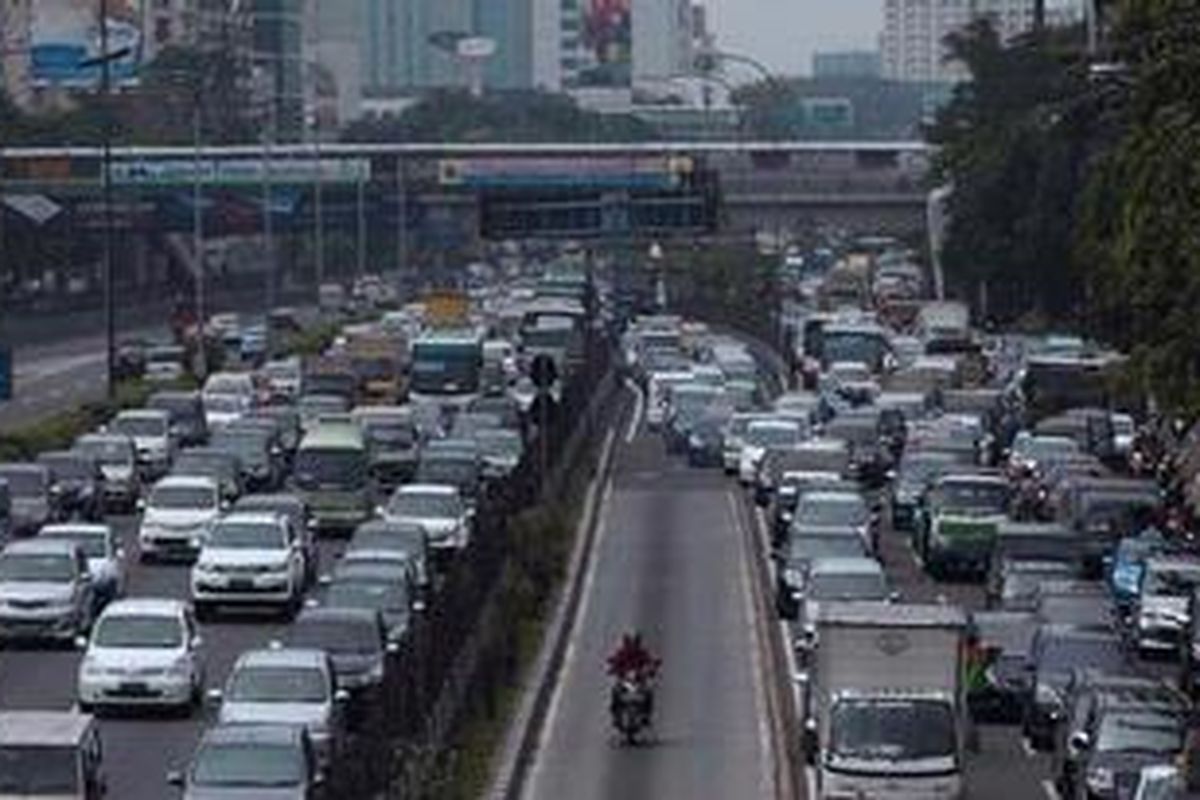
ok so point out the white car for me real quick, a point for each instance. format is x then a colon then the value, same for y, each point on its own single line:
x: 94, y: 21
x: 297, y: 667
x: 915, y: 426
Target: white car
x: 250, y: 558
x: 104, y: 554
x: 437, y: 508
x: 177, y: 517
x: 143, y: 652
x: 287, y: 686
x: 150, y: 430
x: 761, y: 435
x: 227, y: 396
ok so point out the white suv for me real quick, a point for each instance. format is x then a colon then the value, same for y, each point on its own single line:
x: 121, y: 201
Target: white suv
x: 142, y: 652
x: 250, y: 559
x: 177, y: 517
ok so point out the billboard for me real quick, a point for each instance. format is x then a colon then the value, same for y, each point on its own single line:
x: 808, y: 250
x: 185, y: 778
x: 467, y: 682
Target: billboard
x: 239, y: 172
x: 64, y: 34
x: 607, y: 45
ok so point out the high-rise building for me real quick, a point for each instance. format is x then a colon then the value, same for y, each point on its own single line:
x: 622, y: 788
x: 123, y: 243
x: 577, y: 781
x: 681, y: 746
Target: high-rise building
x: 334, y: 79
x: 277, y: 53
x: 15, y: 22
x: 914, y: 32
x: 847, y: 64
x: 662, y: 39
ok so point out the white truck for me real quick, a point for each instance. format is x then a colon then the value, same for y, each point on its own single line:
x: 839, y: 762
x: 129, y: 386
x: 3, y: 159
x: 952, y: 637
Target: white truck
x: 945, y: 327
x: 884, y: 703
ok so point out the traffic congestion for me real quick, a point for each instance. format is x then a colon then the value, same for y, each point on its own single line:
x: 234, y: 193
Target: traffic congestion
x: 974, y: 540
x: 254, y: 587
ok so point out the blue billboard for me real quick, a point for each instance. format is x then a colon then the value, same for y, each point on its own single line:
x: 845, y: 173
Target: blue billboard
x: 65, y: 34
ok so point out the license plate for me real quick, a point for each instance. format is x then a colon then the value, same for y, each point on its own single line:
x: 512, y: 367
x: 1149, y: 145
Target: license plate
x: 241, y: 584
x: 133, y: 688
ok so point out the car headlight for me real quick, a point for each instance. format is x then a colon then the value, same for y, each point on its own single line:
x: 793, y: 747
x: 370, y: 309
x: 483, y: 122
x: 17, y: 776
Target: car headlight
x: 203, y: 568
x: 181, y: 668
x: 1100, y: 780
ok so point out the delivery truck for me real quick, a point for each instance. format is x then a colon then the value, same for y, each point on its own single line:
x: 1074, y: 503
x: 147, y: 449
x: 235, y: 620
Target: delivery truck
x: 884, y: 701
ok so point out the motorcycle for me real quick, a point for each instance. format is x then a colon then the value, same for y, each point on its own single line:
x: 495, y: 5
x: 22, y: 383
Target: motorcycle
x: 631, y: 707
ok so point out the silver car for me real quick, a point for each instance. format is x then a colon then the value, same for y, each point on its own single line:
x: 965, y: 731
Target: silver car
x: 438, y: 508
x: 105, y: 556
x: 143, y: 652
x: 252, y: 762
x: 45, y: 591
x: 289, y: 686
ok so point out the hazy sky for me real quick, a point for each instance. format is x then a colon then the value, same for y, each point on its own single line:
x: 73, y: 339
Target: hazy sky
x: 784, y: 33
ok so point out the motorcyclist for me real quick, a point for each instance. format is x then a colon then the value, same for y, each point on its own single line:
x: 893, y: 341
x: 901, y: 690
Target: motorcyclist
x: 632, y: 661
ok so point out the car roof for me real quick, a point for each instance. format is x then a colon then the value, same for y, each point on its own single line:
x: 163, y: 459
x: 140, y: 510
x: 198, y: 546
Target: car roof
x: 15, y: 468
x: 357, y: 616
x: 186, y: 482
x: 43, y: 728
x: 143, y: 413
x: 145, y: 606
x: 76, y: 529
x: 846, y: 565
x: 283, y: 657
x: 428, y: 488
x: 43, y: 546
x: 244, y: 733
x: 255, y: 516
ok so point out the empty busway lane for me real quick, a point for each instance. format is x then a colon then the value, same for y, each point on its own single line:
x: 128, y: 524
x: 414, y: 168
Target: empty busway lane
x: 671, y: 562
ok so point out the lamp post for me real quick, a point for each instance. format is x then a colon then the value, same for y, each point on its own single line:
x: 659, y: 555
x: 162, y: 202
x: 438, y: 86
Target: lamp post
x: 104, y: 61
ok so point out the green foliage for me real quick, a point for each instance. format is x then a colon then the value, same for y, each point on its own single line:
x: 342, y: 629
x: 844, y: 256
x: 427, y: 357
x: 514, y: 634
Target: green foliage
x: 456, y: 116
x: 1013, y: 144
x: 882, y: 109
x: 59, y: 431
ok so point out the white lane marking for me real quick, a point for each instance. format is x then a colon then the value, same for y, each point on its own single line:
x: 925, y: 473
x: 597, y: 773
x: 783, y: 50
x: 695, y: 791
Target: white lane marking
x: 1050, y: 789
x: 553, y: 717
x: 1028, y: 748
x: 766, y: 753
x: 810, y: 782
x: 639, y: 407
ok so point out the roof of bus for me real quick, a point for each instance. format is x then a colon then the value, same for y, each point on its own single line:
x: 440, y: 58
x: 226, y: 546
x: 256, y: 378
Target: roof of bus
x: 333, y: 436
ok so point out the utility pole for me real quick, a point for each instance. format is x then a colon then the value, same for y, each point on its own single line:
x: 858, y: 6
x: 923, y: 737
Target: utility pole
x: 361, y: 250
x: 319, y: 206
x: 106, y: 265
x: 267, y: 196
x: 198, y: 240
x: 401, y: 222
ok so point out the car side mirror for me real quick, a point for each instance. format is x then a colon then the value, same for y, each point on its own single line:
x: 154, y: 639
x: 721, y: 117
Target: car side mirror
x: 392, y: 648
x: 141, y: 504
x: 318, y: 779
x: 175, y: 778
x: 894, y: 597
x: 380, y: 511
x: 418, y: 606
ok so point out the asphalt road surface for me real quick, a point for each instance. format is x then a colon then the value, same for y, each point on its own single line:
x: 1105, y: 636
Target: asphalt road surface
x: 140, y: 749
x: 672, y: 563
x: 49, y: 378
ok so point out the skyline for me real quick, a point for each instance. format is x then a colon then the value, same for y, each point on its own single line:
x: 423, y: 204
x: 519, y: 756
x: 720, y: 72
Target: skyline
x: 784, y: 34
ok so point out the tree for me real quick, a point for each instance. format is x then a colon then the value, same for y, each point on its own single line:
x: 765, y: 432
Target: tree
x: 456, y: 116
x: 1013, y: 143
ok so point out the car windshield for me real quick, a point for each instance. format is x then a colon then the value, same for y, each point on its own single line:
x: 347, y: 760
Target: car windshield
x: 335, y: 636
x: 248, y: 764
x: 36, y: 568
x: 775, y: 435
x: 847, y: 586
x: 1061, y: 653
x: 224, y: 403
x: 448, y: 470
x: 358, y: 592
x: 971, y: 496
x: 330, y: 467
x: 23, y: 483
x: 892, y: 730
x: 38, y: 771
x: 225, y: 385
x: 278, y: 684
x: 503, y: 444
x: 861, y: 347
x: 1041, y: 448
x: 1141, y: 732
x: 94, y: 544
x: 140, y: 426
x: 1171, y: 582
x: 183, y: 498
x: 247, y: 536
x: 807, y: 548
x: 138, y: 631
x: 832, y: 511
x: 424, y: 505
x: 390, y: 434
x: 69, y: 469
x: 110, y: 452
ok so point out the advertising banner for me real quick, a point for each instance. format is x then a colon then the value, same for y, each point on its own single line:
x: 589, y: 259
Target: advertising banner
x: 64, y: 34
x: 607, y: 45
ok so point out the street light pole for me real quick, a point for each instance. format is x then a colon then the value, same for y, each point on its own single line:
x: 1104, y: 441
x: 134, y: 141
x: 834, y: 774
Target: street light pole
x: 361, y: 250
x: 198, y: 242
x: 319, y: 216
x: 106, y: 265
x: 268, y: 211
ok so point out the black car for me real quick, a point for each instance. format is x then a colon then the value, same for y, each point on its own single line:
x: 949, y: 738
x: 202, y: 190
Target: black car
x: 76, y: 481
x: 254, y: 450
x: 789, y: 578
x: 1089, y: 695
x: 188, y: 423
x: 705, y: 441
x: 1005, y: 638
x: 1057, y: 649
x: 1121, y: 741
